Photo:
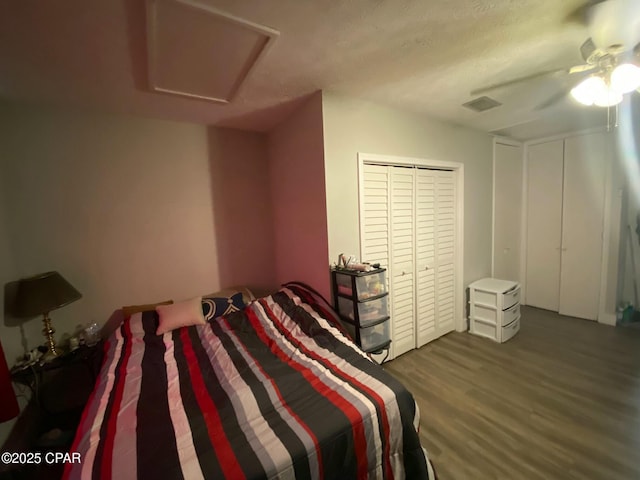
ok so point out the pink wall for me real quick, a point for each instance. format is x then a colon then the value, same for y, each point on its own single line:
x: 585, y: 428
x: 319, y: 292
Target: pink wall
x: 296, y: 170
x: 242, y: 208
x: 130, y: 210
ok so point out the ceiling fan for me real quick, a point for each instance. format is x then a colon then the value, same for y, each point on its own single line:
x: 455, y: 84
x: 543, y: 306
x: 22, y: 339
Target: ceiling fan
x: 611, y: 55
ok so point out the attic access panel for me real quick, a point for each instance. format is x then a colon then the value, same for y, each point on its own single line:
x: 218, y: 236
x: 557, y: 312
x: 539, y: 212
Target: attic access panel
x: 200, y: 52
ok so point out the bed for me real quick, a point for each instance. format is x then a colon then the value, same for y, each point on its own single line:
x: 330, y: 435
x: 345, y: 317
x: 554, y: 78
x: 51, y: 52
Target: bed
x: 274, y: 390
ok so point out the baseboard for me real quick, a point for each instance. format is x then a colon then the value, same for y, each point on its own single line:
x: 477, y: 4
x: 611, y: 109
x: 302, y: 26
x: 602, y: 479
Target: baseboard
x: 607, y: 319
x: 462, y: 326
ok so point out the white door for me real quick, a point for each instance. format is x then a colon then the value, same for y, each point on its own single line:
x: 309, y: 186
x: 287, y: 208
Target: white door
x: 544, y: 224
x: 408, y: 224
x: 425, y: 256
x: 507, y: 212
x: 374, y: 217
x: 435, y: 248
x: 585, y: 162
x: 402, y: 259
x: 445, y: 251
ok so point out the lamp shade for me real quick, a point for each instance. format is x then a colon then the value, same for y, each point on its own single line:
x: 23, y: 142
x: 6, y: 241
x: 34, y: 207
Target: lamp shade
x: 625, y: 78
x: 8, y: 403
x: 42, y: 293
x: 595, y: 91
x: 584, y: 91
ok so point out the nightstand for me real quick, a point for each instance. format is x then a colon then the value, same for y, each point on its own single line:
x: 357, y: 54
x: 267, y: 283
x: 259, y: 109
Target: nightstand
x: 65, y: 382
x: 360, y: 298
x: 61, y: 389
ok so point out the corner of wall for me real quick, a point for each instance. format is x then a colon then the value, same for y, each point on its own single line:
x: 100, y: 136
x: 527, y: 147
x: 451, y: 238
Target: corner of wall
x: 298, y: 196
x: 238, y: 162
x: 607, y: 319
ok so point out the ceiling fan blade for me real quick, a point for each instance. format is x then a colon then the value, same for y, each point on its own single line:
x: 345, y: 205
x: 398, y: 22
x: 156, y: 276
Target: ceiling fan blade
x: 552, y: 100
x: 582, y: 68
x: 587, y: 49
x: 515, y: 81
x: 580, y: 15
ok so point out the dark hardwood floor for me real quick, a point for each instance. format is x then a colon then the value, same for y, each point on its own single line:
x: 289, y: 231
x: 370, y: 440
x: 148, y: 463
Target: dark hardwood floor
x: 561, y: 400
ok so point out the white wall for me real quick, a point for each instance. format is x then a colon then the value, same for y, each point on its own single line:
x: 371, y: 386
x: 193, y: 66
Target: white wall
x: 242, y: 209
x: 352, y: 126
x: 124, y: 208
x: 296, y: 163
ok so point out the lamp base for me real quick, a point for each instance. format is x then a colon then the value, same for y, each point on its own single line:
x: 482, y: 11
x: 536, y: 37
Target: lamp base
x: 49, y: 356
x: 48, y: 332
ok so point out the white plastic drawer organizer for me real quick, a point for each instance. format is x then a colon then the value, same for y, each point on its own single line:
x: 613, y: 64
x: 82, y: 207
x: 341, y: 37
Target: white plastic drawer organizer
x: 494, y: 309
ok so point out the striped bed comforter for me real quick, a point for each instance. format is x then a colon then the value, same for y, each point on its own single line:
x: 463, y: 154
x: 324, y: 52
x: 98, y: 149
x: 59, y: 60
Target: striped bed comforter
x: 273, y: 391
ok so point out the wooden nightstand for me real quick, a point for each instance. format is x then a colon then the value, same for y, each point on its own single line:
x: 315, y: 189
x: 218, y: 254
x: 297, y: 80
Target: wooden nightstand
x: 61, y: 389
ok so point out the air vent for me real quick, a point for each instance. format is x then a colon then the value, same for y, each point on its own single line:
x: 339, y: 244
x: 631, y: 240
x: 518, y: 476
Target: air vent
x: 481, y: 104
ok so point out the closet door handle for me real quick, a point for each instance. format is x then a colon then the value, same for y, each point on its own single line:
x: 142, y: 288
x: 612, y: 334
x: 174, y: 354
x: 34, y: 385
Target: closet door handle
x: 403, y: 272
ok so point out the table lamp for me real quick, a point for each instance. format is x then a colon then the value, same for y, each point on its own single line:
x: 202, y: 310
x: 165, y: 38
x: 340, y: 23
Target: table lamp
x: 39, y: 295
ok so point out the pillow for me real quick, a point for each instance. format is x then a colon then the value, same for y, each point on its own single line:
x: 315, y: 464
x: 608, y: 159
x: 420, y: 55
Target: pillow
x: 213, y: 307
x: 247, y: 295
x: 131, y: 309
x: 181, y: 314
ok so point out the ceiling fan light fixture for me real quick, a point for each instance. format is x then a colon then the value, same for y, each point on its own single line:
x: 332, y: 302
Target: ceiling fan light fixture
x: 625, y: 78
x: 585, y: 92
x: 595, y: 91
x: 607, y: 98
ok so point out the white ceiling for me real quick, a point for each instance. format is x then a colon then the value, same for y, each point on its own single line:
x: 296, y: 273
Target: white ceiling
x: 424, y: 56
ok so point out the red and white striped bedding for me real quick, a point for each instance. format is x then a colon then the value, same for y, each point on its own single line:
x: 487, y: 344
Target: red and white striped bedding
x: 273, y: 391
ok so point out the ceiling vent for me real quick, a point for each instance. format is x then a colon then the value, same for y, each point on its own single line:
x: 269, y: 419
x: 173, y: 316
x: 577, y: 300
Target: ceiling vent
x: 200, y: 52
x: 481, y: 104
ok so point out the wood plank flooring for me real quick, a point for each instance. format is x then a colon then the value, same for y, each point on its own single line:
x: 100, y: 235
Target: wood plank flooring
x: 561, y: 400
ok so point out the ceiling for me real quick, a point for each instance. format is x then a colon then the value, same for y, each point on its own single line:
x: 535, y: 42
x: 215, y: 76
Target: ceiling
x: 421, y: 56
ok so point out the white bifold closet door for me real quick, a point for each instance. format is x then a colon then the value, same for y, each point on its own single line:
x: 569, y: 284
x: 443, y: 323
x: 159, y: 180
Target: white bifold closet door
x: 374, y: 219
x: 544, y: 224
x: 435, y: 248
x: 403, y: 258
x: 565, y: 213
x: 408, y: 225
x: 445, y: 251
x: 585, y: 163
x: 507, y: 189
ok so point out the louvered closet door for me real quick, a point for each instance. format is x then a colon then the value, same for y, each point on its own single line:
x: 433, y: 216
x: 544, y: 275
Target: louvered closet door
x: 425, y: 256
x: 375, y: 215
x: 445, y: 251
x: 408, y: 224
x: 402, y: 259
